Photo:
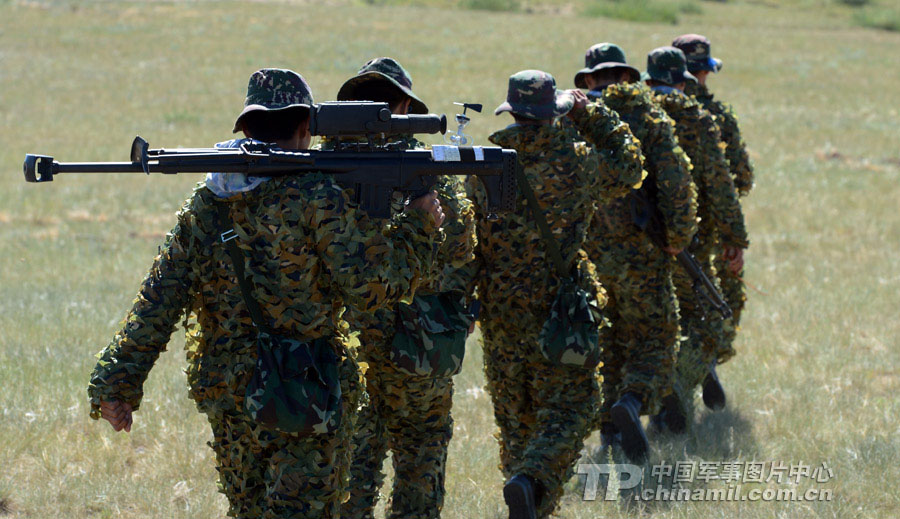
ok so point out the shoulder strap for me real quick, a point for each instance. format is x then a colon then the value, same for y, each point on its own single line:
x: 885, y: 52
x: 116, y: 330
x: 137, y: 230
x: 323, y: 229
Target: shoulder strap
x: 550, y: 244
x: 237, y: 260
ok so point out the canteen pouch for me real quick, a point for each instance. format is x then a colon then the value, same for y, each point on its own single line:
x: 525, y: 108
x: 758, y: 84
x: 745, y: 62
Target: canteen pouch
x: 295, y: 386
x: 571, y: 335
x: 430, y: 339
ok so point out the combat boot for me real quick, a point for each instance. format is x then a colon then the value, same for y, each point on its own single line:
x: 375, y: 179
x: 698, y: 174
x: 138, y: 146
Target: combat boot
x: 520, y: 496
x: 626, y: 415
x: 609, y: 435
x: 713, y: 392
x: 672, y: 418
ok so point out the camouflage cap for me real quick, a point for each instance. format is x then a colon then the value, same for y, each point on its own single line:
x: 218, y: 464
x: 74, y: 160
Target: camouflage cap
x: 667, y: 65
x: 381, y: 69
x: 696, y: 49
x: 533, y: 94
x: 604, y: 56
x: 273, y: 89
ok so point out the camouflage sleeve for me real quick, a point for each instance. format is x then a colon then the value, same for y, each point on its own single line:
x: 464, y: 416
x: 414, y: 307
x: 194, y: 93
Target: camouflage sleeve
x: 621, y: 162
x: 458, y: 247
x: 459, y: 224
x: 463, y: 278
x: 677, y: 194
x: 736, y: 153
x: 724, y: 207
x: 123, y: 366
x: 371, y: 265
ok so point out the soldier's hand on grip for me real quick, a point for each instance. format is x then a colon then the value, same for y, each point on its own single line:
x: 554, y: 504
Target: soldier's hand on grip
x: 430, y: 204
x: 581, y: 102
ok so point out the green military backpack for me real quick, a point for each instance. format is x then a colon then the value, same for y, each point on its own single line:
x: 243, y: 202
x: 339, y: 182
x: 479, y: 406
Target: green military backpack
x: 430, y: 339
x: 295, y: 387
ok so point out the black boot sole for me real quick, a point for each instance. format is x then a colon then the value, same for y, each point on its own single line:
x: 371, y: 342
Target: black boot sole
x: 519, y: 500
x: 633, y: 438
x: 713, y: 394
x: 674, y: 417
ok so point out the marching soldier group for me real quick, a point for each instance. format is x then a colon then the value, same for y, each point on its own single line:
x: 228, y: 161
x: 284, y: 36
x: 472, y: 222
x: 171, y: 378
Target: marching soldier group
x: 587, y: 323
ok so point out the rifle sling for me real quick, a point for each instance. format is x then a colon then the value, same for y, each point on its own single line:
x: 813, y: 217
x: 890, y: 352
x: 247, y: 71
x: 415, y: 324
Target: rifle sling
x: 550, y: 244
x: 237, y: 260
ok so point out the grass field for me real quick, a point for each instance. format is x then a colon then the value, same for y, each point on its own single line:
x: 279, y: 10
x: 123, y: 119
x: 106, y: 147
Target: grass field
x: 818, y: 373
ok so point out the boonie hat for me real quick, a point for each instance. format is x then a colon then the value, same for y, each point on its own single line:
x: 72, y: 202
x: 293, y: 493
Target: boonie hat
x: 604, y: 56
x: 533, y: 94
x: 667, y: 65
x: 272, y: 90
x: 696, y: 49
x: 382, y: 69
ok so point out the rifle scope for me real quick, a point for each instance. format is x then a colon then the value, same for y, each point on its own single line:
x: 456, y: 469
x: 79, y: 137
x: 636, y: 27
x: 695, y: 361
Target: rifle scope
x: 363, y: 118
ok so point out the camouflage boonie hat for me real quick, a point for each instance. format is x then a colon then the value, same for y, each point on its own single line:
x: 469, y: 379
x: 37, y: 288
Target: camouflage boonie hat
x: 696, y: 49
x: 604, y: 56
x: 533, y: 94
x: 382, y: 69
x: 273, y: 89
x: 667, y: 65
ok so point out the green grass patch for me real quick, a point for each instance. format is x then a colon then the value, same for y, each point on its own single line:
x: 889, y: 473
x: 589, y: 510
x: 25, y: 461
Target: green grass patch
x: 493, y: 5
x: 648, y: 11
x: 884, y: 18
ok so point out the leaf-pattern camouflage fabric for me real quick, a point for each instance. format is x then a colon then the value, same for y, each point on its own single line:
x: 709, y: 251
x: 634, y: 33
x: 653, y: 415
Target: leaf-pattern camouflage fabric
x: 308, y: 253
x: 307, y: 476
x: 722, y: 221
x: 410, y: 415
x: 539, y: 406
x: 703, y: 328
x: 727, y: 120
x: 742, y: 171
x: 735, y: 294
x: 643, y: 340
x: 719, y: 209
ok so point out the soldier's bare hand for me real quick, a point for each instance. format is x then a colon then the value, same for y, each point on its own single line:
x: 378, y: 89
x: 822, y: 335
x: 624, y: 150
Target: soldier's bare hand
x: 735, y: 258
x: 672, y: 250
x: 118, y: 414
x: 430, y: 204
x: 581, y: 101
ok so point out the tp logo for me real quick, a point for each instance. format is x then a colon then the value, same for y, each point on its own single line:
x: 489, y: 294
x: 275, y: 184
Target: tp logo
x: 627, y: 476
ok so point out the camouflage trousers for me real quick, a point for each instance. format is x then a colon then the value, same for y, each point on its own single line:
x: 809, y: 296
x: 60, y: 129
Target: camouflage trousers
x: 736, y: 297
x: 409, y: 415
x: 267, y: 474
x: 538, y: 406
x: 642, y: 345
x: 703, y: 328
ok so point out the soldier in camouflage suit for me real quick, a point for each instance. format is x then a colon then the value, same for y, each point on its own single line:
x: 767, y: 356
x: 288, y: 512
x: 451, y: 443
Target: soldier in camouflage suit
x: 700, y: 63
x: 639, y: 361
x: 309, y: 253
x: 539, y: 405
x: 406, y: 413
x: 721, y: 219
